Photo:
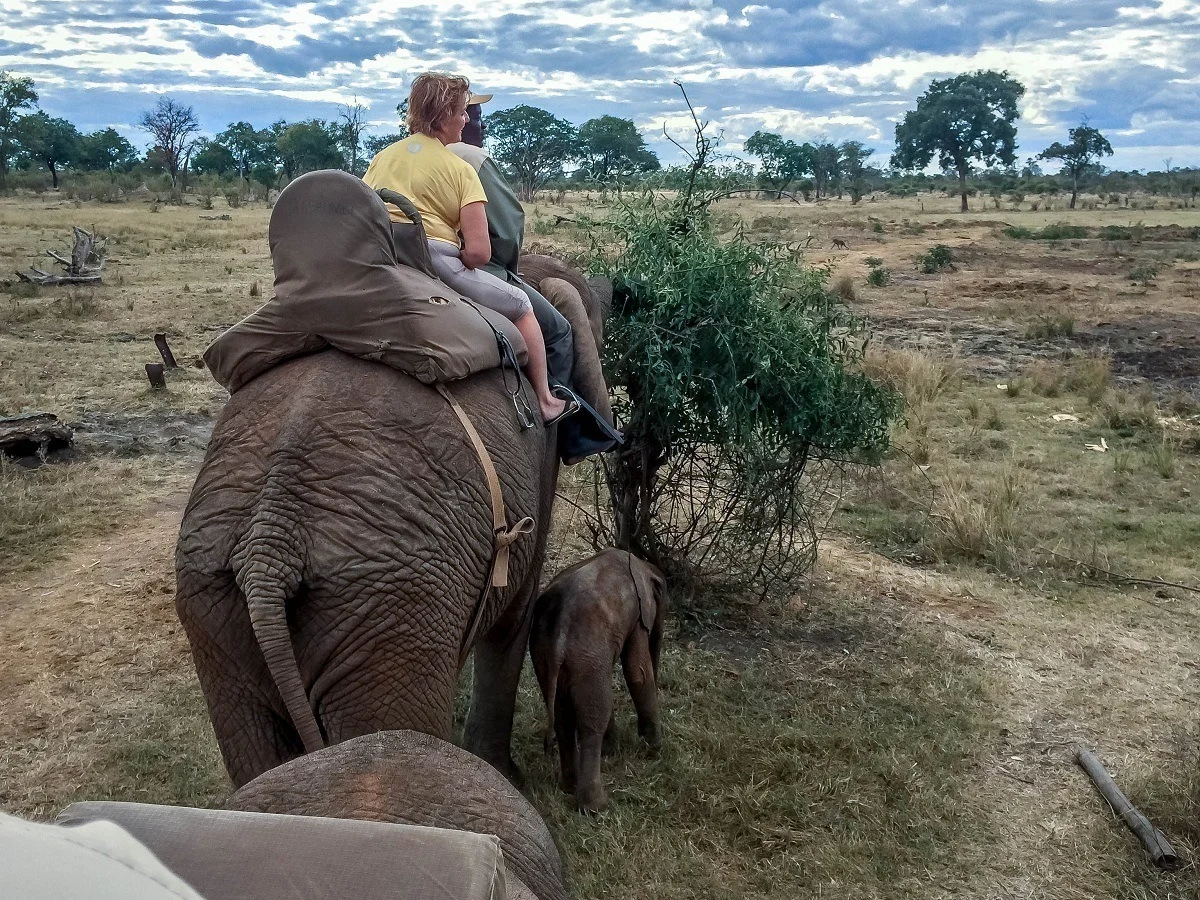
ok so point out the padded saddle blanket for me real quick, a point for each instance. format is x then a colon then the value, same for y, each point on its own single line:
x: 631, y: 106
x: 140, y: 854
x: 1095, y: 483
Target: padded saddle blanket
x: 338, y: 284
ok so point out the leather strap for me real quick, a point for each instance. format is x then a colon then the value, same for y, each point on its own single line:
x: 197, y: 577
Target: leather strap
x: 502, y: 535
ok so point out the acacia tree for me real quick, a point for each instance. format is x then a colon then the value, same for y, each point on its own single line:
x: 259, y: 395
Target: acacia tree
x: 1085, y: 149
x: 780, y: 161
x: 245, y: 142
x: 611, y: 149
x: 854, y: 166
x: 827, y: 167
x: 959, y: 120
x: 16, y: 93
x: 172, y: 125
x: 52, y: 142
x: 351, y: 123
x: 105, y: 151
x: 531, y: 146
x: 305, y: 146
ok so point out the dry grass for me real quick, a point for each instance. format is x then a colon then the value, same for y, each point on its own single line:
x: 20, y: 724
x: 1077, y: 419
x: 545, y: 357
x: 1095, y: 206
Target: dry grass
x: 920, y: 376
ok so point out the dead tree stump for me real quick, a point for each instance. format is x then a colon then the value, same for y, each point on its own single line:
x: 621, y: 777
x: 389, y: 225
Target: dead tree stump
x: 84, y: 266
x: 33, y: 434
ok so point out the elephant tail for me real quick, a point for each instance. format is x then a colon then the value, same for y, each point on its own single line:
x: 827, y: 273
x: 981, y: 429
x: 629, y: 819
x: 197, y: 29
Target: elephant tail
x: 268, y: 573
x: 547, y: 665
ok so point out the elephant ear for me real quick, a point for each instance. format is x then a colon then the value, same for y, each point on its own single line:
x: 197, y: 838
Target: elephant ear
x: 649, y: 586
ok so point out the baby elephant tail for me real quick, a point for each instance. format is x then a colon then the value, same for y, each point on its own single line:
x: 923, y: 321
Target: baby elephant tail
x: 548, y: 648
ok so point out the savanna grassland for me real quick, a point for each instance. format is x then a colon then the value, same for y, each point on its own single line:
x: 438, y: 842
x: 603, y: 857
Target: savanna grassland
x: 903, y: 727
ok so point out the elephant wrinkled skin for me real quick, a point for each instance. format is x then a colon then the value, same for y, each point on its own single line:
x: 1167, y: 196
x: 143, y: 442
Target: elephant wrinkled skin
x: 415, y: 779
x: 342, y: 510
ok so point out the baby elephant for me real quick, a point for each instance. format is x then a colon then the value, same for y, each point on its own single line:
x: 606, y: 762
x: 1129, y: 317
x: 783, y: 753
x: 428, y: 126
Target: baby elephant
x: 608, y: 606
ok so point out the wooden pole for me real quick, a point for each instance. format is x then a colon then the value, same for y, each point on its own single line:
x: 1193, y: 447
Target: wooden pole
x: 158, y: 380
x: 160, y: 341
x: 1162, y: 854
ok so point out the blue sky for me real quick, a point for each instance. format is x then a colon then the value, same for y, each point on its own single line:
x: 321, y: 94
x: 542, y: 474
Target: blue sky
x: 841, y: 69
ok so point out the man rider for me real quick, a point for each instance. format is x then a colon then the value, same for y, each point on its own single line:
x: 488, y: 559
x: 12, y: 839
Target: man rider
x: 581, y: 435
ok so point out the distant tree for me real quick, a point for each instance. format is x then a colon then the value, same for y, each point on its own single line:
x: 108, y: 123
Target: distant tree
x: 531, y: 145
x: 352, y: 119
x: 105, y: 151
x: 212, y: 158
x: 307, y: 146
x: 854, y: 166
x: 172, y: 125
x: 49, y: 141
x: 780, y: 161
x: 375, y: 143
x: 827, y: 167
x: 1084, y: 151
x: 246, y: 143
x: 402, y: 112
x: 611, y: 149
x: 968, y: 117
x: 16, y: 93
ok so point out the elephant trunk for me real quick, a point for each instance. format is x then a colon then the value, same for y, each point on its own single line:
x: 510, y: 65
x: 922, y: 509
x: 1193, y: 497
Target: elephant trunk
x: 267, y: 582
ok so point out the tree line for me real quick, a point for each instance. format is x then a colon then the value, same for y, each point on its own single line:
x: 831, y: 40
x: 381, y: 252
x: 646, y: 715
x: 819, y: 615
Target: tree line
x: 531, y: 145
x: 966, y: 125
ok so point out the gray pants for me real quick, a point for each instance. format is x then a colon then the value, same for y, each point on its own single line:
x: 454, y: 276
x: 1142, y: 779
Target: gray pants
x: 556, y: 330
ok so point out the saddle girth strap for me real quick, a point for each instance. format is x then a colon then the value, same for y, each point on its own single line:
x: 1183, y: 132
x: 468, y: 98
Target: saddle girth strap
x: 502, y: 535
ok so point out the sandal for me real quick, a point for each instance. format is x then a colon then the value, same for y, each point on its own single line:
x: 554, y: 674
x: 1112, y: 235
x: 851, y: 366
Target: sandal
x: 572, y: 407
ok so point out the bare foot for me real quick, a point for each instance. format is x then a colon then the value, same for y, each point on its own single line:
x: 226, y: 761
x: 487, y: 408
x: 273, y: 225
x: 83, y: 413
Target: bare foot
x: 552, y: 407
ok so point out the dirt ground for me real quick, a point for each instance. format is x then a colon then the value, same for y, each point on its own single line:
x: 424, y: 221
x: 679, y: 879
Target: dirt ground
x: 97, y: 695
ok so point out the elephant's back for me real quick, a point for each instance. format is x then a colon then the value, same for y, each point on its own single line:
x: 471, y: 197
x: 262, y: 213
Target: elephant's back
x: 371, y: 454
x: 415, y: 779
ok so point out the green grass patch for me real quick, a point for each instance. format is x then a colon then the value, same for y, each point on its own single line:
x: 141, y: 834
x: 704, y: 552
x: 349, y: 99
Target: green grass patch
x: 832, y: 755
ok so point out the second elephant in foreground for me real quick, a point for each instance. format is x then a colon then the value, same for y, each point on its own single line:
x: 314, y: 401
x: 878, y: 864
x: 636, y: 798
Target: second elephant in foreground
x: 414, y: 779
x: 609, y: 606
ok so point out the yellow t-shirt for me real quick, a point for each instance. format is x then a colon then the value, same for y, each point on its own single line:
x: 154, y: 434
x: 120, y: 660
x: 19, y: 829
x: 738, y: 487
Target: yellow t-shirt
x: 437, y: 182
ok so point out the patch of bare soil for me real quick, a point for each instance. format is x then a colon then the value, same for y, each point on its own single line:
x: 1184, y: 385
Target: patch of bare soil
x: 97, y: 689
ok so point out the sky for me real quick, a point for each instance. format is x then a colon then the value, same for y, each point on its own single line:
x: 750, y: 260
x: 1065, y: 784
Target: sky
x: 831, y: 69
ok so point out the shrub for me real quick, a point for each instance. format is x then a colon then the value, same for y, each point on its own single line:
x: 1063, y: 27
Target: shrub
x: 1056, y: 232
x: 936, y: 259
x: 1144, y: 274
x: 1052, y: 326
x: 844, y: 288
x: 740, y: 387
x: 1019, y: 232
x: 879, y: 277
x: 1116, y: 233
x: 877, y: 227
x: 234, y: 198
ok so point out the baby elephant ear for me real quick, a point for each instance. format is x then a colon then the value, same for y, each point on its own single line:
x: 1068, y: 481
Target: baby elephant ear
x: 648, y: 591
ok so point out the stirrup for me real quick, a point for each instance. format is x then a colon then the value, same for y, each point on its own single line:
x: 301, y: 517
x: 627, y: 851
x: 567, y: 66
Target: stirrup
x: 525, y: 414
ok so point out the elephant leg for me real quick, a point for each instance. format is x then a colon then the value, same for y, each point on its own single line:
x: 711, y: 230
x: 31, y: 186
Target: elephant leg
x: 252, y: 727
x: 639, y: 678
x: 594, y: 711
x: 499, y: 656
x: 609, y: 746
x: 565, y: 729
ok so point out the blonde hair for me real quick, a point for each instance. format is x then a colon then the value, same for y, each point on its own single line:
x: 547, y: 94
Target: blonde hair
x: 434, y: 98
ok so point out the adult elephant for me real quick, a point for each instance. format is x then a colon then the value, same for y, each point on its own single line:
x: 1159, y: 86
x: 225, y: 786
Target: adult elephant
x: 334, y: 555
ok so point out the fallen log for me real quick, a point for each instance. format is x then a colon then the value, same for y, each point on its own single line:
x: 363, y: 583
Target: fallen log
x: 33, y: 434
x: 84, y: 266
x: 1162, y: 854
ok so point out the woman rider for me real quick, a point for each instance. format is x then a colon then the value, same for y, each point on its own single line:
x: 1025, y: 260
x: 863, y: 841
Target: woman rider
x: 447, y: 192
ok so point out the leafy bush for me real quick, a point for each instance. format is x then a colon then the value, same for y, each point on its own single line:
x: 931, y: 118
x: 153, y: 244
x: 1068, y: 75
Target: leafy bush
x: 937, y: 258
x: 1116, y: 233
x: 1144, y: 274
x: 1056, y: 232
x: 879, y: 276
x: 844, y: 288
x: 739, y: 384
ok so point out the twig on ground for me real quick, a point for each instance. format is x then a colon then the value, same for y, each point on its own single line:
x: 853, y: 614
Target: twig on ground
x: 1162, y: 854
